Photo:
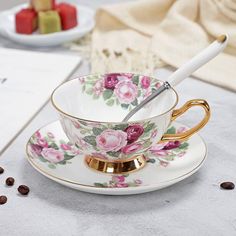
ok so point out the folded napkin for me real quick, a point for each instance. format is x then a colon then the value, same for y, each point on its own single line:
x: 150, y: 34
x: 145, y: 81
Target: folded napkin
x: 142, y: 35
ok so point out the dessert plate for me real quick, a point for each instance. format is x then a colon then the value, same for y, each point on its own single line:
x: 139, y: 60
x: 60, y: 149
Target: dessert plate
x: 51, y: 154
x: 7, y: 22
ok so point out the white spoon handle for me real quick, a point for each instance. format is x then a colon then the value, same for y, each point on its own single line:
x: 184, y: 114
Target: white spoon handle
x: 197, y: 61
x: 184, y: 71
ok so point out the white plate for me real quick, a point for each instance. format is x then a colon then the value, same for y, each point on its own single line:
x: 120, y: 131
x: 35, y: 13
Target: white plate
x: 161, y: 170
x: 7, y: 28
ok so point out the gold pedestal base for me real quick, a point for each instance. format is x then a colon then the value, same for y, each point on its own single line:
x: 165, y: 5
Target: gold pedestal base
x: 116, y: 167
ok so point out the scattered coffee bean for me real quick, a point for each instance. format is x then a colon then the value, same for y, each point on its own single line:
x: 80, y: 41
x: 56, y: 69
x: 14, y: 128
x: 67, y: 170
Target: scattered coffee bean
x: 23, y: 189
x: 3, y: 200
x: 10, y: 181
x: 227, y: 185
x: 1, y: 170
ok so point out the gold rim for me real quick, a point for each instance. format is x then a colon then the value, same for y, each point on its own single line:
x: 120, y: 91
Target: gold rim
x: 106, y: 122
x: 29, y: 156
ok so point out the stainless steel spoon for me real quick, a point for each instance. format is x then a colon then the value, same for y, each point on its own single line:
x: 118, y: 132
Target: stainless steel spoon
x: 184, y: 71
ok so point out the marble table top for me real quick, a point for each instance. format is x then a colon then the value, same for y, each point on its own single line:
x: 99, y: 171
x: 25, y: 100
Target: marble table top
x: 195, y: 206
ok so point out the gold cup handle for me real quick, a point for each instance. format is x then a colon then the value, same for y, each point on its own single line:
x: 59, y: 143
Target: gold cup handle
x: 178, y: 112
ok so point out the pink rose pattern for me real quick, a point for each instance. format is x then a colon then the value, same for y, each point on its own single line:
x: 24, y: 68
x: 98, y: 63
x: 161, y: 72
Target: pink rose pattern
x: 52, y: 155
x: 53, y: 152
x: 111, y: 140
x: 110, y: 80
x: 98, y: 88
x: 134, y: 132
x: 169, y: 151
x: 123, y: 89
x: 131, y: 148
x: 119, y: 141
x: 145, y: 82
x: 119, y: 181
x: 116, y: 141
x: 126, y: 91
x: 47, y: 149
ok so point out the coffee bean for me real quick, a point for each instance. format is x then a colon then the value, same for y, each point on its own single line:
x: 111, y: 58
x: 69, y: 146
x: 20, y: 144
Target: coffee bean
x: 1, y: 170
x: 10, y: 181
x: 3, y: 200
x: 23, y: 189
x: 227, y: 185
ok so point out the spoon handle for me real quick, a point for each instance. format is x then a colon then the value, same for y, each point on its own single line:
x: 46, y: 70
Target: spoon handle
x: 184, y: 71
x: 197, y: 61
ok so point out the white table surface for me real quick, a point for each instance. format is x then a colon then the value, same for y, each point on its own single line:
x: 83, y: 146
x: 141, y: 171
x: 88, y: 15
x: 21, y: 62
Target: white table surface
x: 195, y: 206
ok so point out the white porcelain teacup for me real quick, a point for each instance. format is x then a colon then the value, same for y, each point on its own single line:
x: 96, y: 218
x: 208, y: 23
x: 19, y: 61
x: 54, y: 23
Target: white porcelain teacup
x: 92, y: 107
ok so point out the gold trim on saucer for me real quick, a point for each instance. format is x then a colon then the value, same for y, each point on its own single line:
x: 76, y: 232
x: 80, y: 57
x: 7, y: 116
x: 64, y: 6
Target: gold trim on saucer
x: 116, y: 167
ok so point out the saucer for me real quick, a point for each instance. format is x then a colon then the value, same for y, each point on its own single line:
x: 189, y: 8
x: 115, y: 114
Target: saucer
x: 50, y: 153
x: 7, y: 22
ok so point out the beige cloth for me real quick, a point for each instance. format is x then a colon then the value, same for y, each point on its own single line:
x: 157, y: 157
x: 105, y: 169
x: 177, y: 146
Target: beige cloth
x: 142, y: 35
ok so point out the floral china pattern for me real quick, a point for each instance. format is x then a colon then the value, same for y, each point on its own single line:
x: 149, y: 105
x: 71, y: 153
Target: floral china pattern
x: 119, y: 181
x: 123, y: 89
x: 119, y: 141
x: 47, y: 149
x: 168, y: 151
x: 53, y: 152
x: 59, y: 152
x: 163, y: 153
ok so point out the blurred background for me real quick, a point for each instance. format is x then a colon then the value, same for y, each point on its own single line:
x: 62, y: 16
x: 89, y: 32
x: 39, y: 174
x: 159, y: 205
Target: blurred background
x: 10, y: 3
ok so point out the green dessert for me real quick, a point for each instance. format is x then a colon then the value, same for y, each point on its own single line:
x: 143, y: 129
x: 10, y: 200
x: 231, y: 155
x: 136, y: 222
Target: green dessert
x: 49, y: 22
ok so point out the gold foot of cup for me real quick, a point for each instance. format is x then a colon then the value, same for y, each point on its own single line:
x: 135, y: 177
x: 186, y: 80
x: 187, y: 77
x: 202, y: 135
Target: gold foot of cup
x: 116, y: 167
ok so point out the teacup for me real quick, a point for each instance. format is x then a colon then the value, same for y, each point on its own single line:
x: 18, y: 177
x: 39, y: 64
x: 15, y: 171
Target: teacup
x: 92, y: 107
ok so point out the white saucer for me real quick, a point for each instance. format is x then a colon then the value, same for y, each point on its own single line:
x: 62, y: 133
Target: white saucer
x: 164, y: 168
x: 7, y: 22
